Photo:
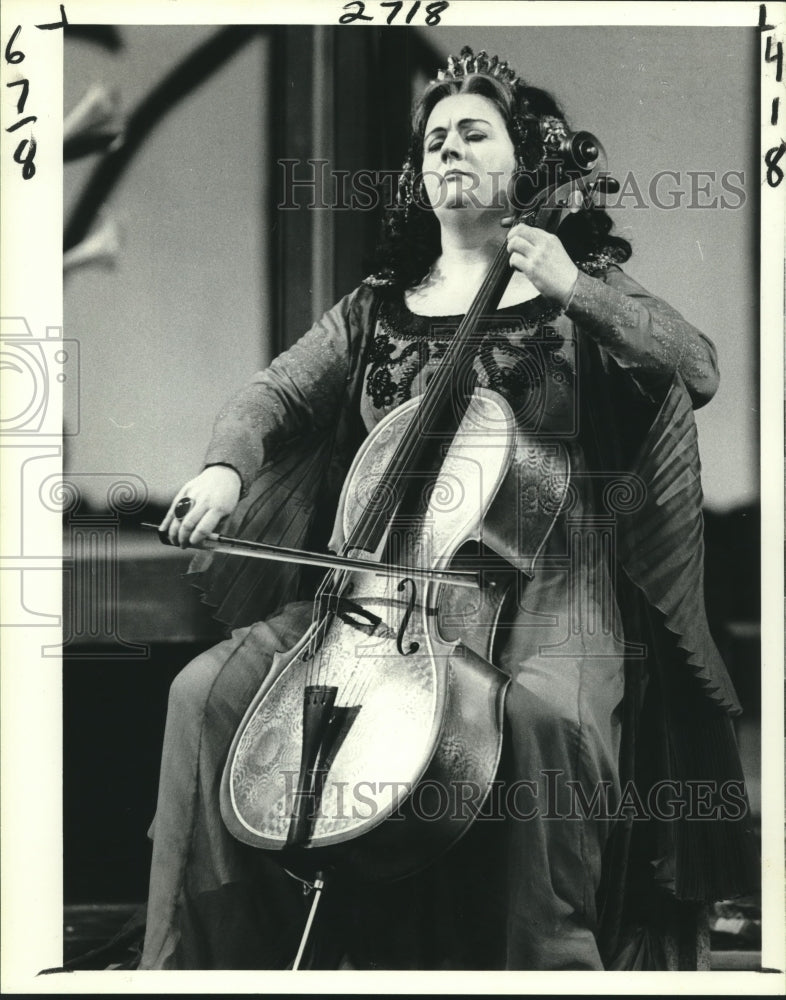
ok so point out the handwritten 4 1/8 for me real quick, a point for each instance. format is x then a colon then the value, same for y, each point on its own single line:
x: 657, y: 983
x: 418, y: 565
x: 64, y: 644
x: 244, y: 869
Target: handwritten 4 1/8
x: 24, y: 154
x: 773, y: 54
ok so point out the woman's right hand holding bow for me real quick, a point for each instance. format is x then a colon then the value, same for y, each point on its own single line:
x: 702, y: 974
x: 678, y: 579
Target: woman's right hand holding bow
x: 213, y: 495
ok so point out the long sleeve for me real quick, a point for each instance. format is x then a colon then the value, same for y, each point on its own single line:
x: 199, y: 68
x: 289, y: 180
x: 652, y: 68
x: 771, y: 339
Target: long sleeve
x: 300, y: 392
x: 644, y: 335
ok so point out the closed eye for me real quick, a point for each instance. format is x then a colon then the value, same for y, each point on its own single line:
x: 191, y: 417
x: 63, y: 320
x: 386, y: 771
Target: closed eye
x: 435, y: 146
x: 469, y: 127
x: 471, y: 135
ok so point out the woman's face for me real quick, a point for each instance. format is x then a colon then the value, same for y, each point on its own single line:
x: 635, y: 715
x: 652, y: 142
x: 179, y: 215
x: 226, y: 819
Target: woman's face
x: 468, y: 157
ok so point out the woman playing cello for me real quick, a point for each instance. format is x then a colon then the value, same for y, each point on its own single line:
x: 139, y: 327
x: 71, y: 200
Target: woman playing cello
x: 613, y: 675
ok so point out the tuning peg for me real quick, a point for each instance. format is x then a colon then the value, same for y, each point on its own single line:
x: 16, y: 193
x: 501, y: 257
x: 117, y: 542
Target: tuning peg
x: 94, y: 124
x: 606, y: 185
x: 100, y: 247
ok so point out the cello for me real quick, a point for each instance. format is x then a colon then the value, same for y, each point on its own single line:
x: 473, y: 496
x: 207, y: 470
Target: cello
x: 379, y: 692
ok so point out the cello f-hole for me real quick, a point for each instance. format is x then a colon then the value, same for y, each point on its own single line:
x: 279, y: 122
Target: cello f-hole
x: 413, y: 646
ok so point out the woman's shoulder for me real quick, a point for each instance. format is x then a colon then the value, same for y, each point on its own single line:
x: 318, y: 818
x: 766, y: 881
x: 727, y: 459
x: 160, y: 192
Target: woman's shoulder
x: 354, y: 312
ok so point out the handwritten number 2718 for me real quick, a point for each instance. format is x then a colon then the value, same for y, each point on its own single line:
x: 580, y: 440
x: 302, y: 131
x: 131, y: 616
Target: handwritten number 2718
x: 433, y: 11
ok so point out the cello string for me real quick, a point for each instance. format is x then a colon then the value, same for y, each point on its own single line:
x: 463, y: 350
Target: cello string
x: 332, y: 597
x: 429, y: 410
x: 358, y: 677
x: 325, y: 615
x: 320, y: 619
x: 433, y: 400
x: 462, y: 340
x: 436, y: 393
x: 444, y: 389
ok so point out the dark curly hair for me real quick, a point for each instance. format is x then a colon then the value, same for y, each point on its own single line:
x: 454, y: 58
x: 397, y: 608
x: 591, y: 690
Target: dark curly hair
x: 410, y: 241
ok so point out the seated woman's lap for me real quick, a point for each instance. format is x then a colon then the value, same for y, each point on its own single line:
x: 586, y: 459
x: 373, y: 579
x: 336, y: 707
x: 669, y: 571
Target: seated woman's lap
x: 224, y: 678
x: 541, y: 885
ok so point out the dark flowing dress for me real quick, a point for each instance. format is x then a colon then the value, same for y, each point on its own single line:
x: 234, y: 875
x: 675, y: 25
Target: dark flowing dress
x: 616, y: 682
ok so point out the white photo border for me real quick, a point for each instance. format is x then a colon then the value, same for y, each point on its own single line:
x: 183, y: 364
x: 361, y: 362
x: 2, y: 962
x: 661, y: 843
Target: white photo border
x: 31, y: 684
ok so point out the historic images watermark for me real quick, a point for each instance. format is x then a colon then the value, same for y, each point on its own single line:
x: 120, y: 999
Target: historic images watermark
x: 313, y: 184
x: 549, y: 796
x: 40, y: 411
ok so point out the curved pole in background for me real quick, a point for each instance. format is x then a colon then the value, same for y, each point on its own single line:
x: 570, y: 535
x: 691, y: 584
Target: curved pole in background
x: 182, y: 80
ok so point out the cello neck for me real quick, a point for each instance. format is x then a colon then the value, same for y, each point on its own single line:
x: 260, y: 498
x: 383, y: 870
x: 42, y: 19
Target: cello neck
x: 445, y: 398
x: 441, y: 406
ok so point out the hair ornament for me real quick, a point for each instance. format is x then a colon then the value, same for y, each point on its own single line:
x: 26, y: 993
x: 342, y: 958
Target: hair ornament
x: 410, y: 188
x: 468, y: 63
x: 553, y: 131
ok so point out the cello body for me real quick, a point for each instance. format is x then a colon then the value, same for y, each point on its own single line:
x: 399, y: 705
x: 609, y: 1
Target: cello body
x: 373, y: 743
x: 409, y: 744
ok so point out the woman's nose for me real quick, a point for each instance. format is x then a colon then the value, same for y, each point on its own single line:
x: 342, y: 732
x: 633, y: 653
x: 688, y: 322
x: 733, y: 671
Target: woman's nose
x: 452, y: 147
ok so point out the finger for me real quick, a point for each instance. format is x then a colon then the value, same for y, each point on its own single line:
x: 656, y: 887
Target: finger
x: 189, y: 522
x: 170, y: 514
x: 176, y: 523
x: 173, y: 523
x: 207, y: 525
x: 534, y: 257
x: 521, y: 263
x: 523, y: 230
x: 173, y: 531
x: 521, y: 245
x: 528, y: 235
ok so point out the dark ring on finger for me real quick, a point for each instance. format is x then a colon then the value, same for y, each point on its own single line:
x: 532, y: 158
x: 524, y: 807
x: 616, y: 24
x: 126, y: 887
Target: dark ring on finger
x: 182, y: 507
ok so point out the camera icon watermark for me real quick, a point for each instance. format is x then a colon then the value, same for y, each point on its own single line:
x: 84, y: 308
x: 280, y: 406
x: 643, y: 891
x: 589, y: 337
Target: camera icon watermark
x: 37, y: 373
